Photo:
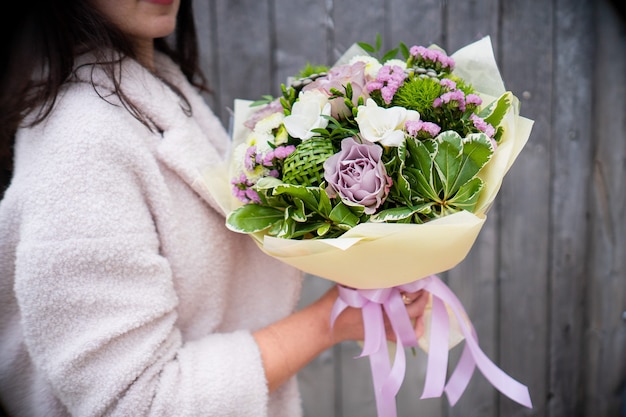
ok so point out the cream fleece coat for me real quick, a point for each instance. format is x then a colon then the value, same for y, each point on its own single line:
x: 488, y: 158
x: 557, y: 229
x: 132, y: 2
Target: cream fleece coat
x: 121, y: 291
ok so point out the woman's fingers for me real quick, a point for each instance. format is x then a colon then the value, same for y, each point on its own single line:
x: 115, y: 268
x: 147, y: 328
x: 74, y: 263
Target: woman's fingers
x: 416, y: 308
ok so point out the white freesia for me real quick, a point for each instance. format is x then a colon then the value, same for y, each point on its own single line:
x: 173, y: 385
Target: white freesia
x: 379, y: 124
x: 372, y: 65
x: 307, y: 114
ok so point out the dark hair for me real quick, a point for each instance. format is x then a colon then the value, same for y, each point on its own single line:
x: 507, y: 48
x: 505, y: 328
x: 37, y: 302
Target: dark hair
x: 44, y: 38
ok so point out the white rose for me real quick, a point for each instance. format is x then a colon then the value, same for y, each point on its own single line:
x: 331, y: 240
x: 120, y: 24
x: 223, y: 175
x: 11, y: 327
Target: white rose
x: 307, y: 114
x: 379, y: 124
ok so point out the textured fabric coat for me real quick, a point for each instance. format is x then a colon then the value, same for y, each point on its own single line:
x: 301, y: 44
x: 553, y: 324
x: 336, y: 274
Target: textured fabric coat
x: 121, y: 291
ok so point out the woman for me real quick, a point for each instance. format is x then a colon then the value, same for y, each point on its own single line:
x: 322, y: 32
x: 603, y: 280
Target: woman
x: 121, y: 291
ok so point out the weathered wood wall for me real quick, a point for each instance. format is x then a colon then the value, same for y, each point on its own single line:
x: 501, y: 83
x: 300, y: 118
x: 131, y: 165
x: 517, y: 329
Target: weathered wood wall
x: 545, y: 284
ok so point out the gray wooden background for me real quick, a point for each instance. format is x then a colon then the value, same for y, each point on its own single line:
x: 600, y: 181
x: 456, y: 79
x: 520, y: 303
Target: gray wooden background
x: 545, y: 284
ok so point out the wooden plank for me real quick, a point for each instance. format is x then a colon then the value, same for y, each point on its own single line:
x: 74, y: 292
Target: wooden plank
x: 243, y: 51
x: 204, y: 14
x: 474, y: 281
x: 571, y: 162
x: 352, y: 22
x: 414, y: 24
x: 606, y: 333
x: 318, y: 385
x: 526, y: 53
x: 357, y: 394
x: 292, y: 53
x: 317, y: 379
x: 469, y: 21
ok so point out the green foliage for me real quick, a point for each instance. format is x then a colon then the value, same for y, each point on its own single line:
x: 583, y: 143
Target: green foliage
x: 310, y: 69
x: 442, y: 172
x: 383, y: 56
x: 267, y: 99
x: 494, y: 112
x: 297, y: 212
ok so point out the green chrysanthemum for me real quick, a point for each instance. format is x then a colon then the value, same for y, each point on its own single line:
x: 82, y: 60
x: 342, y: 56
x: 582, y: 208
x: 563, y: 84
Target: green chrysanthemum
x: 418, y: 94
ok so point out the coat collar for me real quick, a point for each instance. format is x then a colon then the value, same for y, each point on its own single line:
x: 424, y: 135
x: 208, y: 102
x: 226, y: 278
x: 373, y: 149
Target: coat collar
x: 192, y: 145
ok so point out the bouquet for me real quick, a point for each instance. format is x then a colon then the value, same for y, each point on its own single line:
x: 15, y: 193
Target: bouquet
x: 377, y: 174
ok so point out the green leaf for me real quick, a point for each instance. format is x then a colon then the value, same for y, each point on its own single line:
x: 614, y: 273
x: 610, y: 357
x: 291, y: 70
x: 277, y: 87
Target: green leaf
x: 459, y: 160
x: 324, y: 206
x: 287, y: 229
x: 397, y: 214
x: 323, y: 229
x: 252, y: 218
x: 389, y: 55
x: 467, y: 196
x: 266, y: 99
x: 297, y: 211
x: 404, y: 50
x: 419, y: 167
x: 367, y: 47
x: 494, y: 112
x: 341, y: 214
x: 309, y: 195
x: 448, y: 160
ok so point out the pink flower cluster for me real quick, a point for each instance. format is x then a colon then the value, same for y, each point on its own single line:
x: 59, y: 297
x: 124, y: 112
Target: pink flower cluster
x: 253, y: 159
x: 242, y: 189
x: 388, y: 80
x: 432, y: 58
x: 456, y: 98
x: 483, y: 126
x: 421, y: 129
x: 242, y: 185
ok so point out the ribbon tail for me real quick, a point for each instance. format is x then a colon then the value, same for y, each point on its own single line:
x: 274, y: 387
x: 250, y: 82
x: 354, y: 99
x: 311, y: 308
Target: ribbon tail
x: 380, y: 368
x: 498, y: 378
x: 436, y: 368
x: 461, y: 376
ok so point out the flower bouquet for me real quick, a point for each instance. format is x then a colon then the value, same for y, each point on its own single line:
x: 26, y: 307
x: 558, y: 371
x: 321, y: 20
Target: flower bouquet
x: 377, y: 174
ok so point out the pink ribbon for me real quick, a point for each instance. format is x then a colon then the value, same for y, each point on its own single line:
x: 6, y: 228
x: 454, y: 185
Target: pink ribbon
x: 387, y: 378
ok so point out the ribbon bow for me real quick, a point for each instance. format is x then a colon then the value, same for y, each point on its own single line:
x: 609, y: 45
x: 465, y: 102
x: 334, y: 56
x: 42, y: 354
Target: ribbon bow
x: 388, y: 379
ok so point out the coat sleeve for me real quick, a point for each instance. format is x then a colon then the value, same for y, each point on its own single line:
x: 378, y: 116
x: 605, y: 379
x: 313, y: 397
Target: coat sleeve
x: 96, y: 295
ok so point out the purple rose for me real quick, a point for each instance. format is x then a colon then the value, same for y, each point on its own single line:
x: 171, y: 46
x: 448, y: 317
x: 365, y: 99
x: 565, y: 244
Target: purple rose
x: 358, y: 175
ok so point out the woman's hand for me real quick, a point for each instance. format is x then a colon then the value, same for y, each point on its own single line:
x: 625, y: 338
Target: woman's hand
x: 349, y: 324
x: 289, y: 344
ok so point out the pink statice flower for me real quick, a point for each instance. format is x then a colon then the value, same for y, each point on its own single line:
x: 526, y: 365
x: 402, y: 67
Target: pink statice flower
x: 273, y: 157
x: 421, y: 129
x: 482, y: 125
x: 242, y: 189
x: 431, y: 58
x: 454, y: 98
x: 250, y: 159
x: 388, y: 80
x: 473, y: 99
x: 448, y: 83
